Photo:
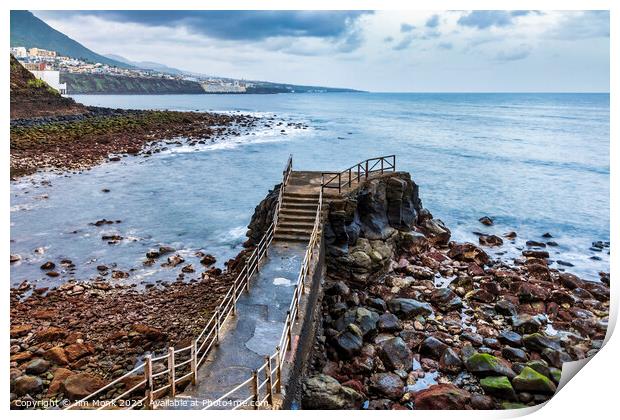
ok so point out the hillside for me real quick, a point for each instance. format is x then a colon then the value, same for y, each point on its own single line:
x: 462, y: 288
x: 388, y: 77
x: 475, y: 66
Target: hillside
x: 29, y: 31
x: 31, y: 97
x: 123, y: 85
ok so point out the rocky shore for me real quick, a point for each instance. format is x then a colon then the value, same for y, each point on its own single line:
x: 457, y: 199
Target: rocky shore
x: 412, y: 320
x: 68, y: 341
x: 76, y: 142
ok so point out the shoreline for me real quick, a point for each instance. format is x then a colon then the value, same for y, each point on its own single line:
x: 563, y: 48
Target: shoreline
x: 77, y: 142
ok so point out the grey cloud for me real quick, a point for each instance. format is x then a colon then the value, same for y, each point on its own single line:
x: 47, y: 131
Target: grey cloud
x: 406, y: 27
x: 233, y: 24
x: 483, y: 19
x: 433, y: 21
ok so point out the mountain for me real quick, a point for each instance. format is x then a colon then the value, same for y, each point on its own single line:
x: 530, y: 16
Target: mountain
x: 28, y: 31
x: 146, y: 65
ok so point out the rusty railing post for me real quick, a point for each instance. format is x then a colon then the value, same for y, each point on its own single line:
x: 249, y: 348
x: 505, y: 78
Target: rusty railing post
x: 255, y: 390
x: 278, y: 370
x: 148, y: 376
x: 269, y: 384
x: 171, y: 371
x: 194, y: 362
x: 290, y: 330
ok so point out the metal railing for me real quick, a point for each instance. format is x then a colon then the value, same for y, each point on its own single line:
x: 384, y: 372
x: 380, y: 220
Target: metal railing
x: 150, y: 384
x: 357, y: 172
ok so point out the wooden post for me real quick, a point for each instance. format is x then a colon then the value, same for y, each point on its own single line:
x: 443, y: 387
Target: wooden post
x: 148, y: 376
x: 234, y: 299
x: 269, y: 384
x: 381, y: 166
x: 296, y: 297
x: 290, y: 330
x: 247, y: 278
x: 194, y: 362
x: 366, y: 176
x: 255, y: 390
x: 217, y: 325
x: 278, y: 371
x: 171, y: 371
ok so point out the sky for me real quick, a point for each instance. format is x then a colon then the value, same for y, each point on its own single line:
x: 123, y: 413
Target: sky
x: 382, y: 51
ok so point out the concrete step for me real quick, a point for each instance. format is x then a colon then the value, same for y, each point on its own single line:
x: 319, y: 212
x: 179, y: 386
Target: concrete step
x: 288, y: 199
x: 296, y: 224
x: 293, y: 231
x: 291, y: 238
x: 298, y: 205
x: 301, y: 218
x: 297, y: 212
x: 314, y: 196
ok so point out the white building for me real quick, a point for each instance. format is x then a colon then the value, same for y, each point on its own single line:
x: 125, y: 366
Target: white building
x: 19, y: 52
x: 52, y: 78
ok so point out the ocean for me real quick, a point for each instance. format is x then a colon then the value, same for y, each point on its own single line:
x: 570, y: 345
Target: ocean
x: 534, y: 163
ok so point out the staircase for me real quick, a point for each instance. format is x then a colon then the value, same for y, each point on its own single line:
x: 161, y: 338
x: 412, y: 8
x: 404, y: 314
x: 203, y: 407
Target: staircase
x: 297, y: 215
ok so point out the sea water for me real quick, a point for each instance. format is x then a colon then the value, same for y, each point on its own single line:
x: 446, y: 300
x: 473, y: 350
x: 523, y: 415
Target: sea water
x: 534, y: 163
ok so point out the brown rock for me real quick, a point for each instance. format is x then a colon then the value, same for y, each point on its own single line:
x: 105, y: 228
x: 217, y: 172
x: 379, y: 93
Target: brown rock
x: 77, y: 351
x: 81, y: 385
x: 50, y: 334
x: 20, y: 330
x: 57, y: 355
x: 60, y: 375
x: 152, y: 334
x: 442, y: 397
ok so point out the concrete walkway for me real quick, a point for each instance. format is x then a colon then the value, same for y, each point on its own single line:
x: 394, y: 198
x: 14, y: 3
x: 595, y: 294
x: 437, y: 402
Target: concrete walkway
x: 252, y: 334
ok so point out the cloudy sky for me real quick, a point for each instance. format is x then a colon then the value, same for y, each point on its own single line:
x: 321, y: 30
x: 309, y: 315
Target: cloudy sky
x: 378, y: 51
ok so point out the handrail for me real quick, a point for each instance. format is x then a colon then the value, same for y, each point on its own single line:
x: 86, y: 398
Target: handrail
x: 358, y: 171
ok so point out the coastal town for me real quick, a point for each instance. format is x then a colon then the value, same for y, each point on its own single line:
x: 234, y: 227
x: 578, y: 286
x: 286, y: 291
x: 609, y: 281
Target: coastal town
x: 48, y: 65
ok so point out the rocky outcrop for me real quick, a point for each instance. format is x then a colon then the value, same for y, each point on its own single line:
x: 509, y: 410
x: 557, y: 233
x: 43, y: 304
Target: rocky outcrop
x: 366, y: 226
x: 262, y: 217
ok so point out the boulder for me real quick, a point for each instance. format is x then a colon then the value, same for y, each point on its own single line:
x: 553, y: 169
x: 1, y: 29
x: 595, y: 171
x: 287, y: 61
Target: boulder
x: 432, y: 347
x: 483, y: 364
x: 389, y: 323
x: 498, y: 386
x: 326, y: 393
x: 27, y: 384
x: 442, y: 397
x: 514, y: 354
x: 450, y: 361
x: 37, y: 366
x: 528, y: 324
x: 531, y: 381
x: 57, y: 355
x: 387, y: 384
x: 486, y: 220
x: 349, y: 342
x: 81, y: 385
x: 409, y: 308
x: 395, y: 354
x: 538, y: 342
x: 469, y: 253
x: 490, y: 240
x: 77, y: 351
x: 60, y: 375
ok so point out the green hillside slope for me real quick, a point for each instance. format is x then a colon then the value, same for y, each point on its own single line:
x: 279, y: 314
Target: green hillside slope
x: 29, y: 31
